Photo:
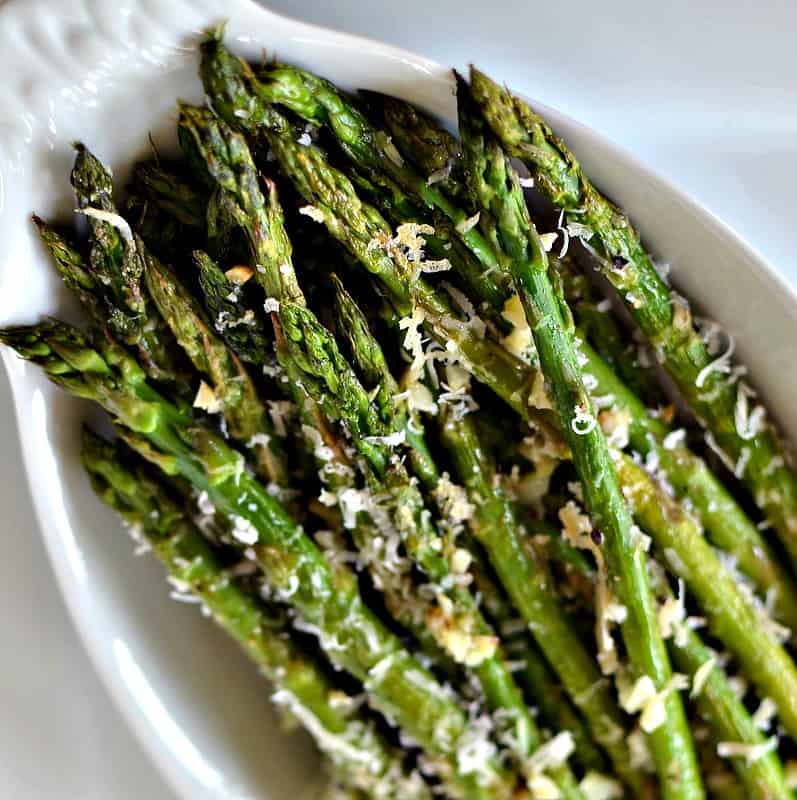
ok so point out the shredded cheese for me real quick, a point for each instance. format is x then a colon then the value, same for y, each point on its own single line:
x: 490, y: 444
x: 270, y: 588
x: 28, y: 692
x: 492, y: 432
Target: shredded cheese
x: 114, y: 220
x: 239, y: 275
x: 466, y: 224
x: 243, y: 531
x: 519, y: 340
x: 765, y: 713
x: 749, y: 752
x: 596, y: 786
x: 701, y: 675
x: 206, y: 399
x: 315, y: 214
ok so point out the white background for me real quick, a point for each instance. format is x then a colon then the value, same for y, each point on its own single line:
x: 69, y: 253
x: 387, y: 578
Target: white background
x: 704, y: 91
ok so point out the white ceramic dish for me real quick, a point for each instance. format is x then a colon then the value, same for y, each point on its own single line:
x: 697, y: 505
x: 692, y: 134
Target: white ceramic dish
x: 110, y: 76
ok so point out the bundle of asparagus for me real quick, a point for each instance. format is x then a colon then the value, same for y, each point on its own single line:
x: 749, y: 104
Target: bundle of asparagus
x: 405, y: 451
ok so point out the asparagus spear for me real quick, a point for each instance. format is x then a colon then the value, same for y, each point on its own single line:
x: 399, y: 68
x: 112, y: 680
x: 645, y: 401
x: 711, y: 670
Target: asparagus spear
x: 346, y: 735
x: 727, y: 524
x: 228, y: 161
x: 543, y: 688
x: 530, y: 589
x: 173, y: 192
x: 761, y: 772
x: 117, y: 267
x: 231, y: 308
x: 717, y: 702
x: 365, y: 352
x: 733, y: 619
x: 706, y: 378
x: 70, y: 264
x: 325, y: 595
x: 232, y: 391
x: 424, y: 142
x: 600, y: 326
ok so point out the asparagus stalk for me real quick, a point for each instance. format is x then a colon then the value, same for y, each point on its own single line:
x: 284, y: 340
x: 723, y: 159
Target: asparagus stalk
x: 70, y: 264
x: 531, y: 591
x: 761, y: 773
x: 502, y: 206
x: 600, y: 326
x: 733, y: 619
x: 716, y: 700
x: 261, y: 218
x: 689, y: 476
x: 728, y: 525
x: 538, y: 681
x: 231, y: 309
x: 172, y: 192
x: 422, y: 141
x: 361, y: 756
x: 366, y: 354
x: 706, y: 378
x: 325, y: 595
x: 117, y: 268
x: 232, y: 391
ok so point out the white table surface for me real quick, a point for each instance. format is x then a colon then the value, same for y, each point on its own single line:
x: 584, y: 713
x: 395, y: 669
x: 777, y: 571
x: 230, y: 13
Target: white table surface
x: 704, y: 91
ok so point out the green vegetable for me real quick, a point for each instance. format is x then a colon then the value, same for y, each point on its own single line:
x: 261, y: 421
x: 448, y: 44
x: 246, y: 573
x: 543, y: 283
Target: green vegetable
x: 326, y: 596
x: 346, y: 735
x: 699, y: 364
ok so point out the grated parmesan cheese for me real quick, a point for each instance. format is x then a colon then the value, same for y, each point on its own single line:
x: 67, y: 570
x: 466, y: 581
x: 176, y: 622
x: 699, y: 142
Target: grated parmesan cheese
x: 272, y: 305
x: 583, y: 421
x: 553, y: 753
x: 453, y: 499
x: 420, y: 398
x: 764, y: 714
x: 541, y: 787
x: 239, y: 275
x: 243, y: 531
x: 204, y: 504
x: 519, y: 341
x: 114, y: 220
x: 467, y: 224
x: 259, y: 440
x: 440, y: 174
x: 548, y: 240
x: 391, y: 440
x: 701, y: 676
x: 596, y: 786
x: 674, y: 439
x: 615, y: 424
x: 315, y: 213
x: 206, y: 399
x: 749, y: 752
x: 721, y: 364
x: 475, y: 750
x: 643, y: 697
